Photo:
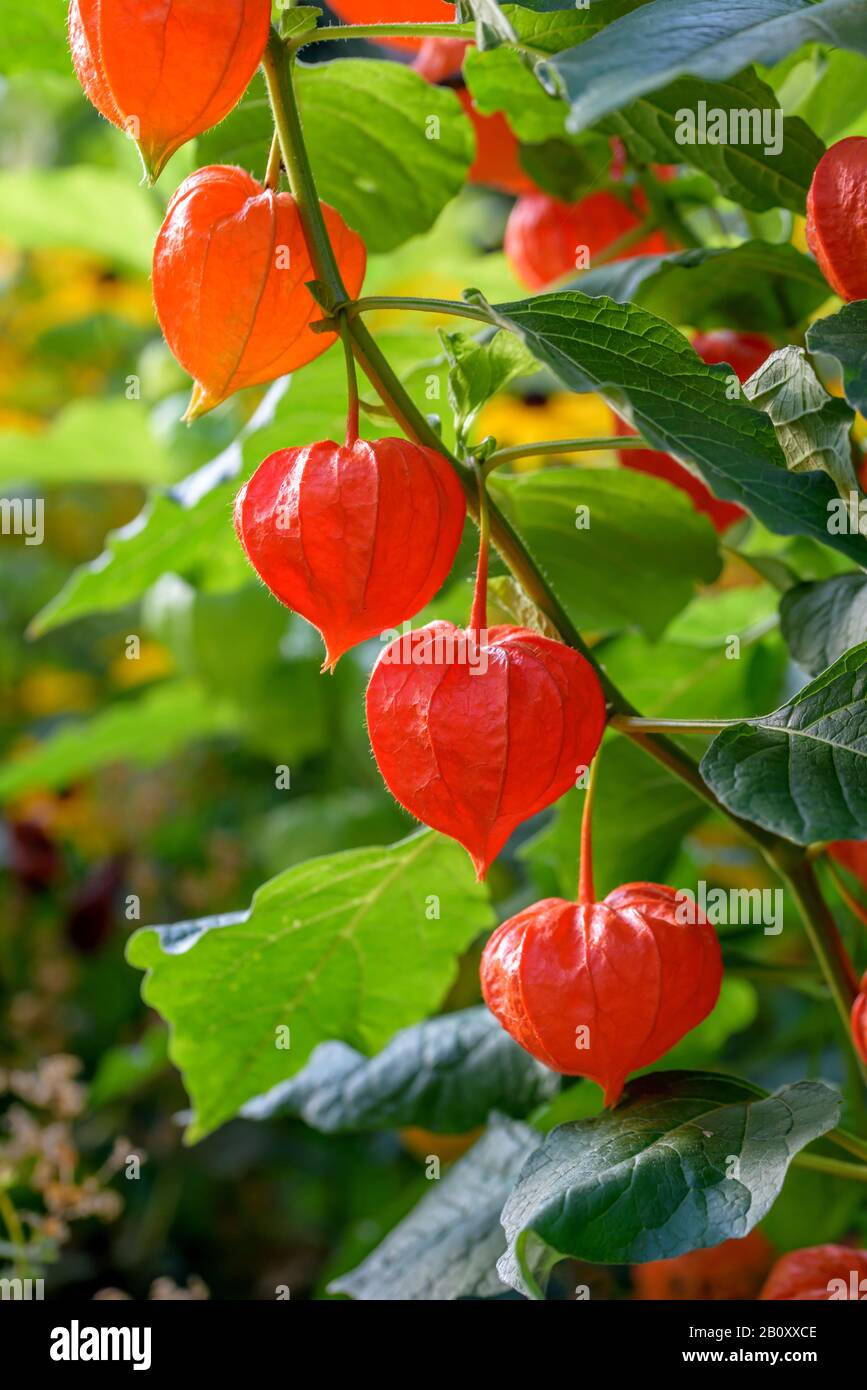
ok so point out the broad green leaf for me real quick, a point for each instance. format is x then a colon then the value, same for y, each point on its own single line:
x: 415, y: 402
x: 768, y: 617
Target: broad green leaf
x: 33, y: 37
x: 599, y: 563
x: 771, y: 171
x: 822, y: 620
x: 701, y: 38
x: 446, y: 1074
x: 685, y: 1161
x: 145, y: 730
x: 634, y: 791
x: 478, y: 370
x: 501, y: 81
x: 844, y: 335
x: 802, y: 770
x: 755, y: 286
x: 89, y: 441
x: 388, y: 149
x: 650, y: 375
x: 448, y: 1246
x: 82, y: 208
x: 681, y: 680
x: 711, y: 620
x: 342, y: 948
x: 812, y: 427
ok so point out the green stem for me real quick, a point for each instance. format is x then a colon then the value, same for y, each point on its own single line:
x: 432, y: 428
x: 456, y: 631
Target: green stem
x: 631, y: 723
x: 826, y: 942
x: 586, y: 889
x: 837, y: 1167
x: 414, y: 303
x: 563, y: 446
x: 849, y: 1142
x: 275, y: 163
x: 855, y: 907
x: 787, y: 859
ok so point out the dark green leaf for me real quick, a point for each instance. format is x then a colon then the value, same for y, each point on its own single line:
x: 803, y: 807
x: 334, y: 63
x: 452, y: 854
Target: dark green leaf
x: 351, y: 947
x: 685, y: 1161
x: 802, y: 770
x: 844, y: 335
x: 702, y: 38
x: 600, y: 569
x: 447, y: 1248
x: 771, y: 171
x: 822, y: 620
x: 651, y: 376
x: 757, y: 285
x: 447, y: 1074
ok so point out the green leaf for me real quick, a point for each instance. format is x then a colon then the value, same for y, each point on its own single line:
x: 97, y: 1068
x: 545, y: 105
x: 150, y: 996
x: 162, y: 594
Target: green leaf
x: 812, y: 426
x: 567, y: 168
x: 600, y: 570
x: 632, y: 790
x: 447, y: 1248
x: 342, y: 947
x: 33, y: 37
x: 501, y: 81
x: 479, y: 369
x: 802, y: 770
x: 702, y: 38
x: 774, y: 171
x: 295, y: 20
x: 844, y: 335
x: 89, y: 441
x: 491, y: 26
x: 822, y: 620
x: 144, y: 731
x: 650, y: 375
x: 835, y: 106
x: 758, y: 285
x: 685, y: 1161
x: 83, y: 208
x: 388, y: 149
x: 446, y: 1074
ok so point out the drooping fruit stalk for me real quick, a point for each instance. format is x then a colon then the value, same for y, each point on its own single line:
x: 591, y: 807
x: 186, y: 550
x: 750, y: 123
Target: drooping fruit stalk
x: 230, y: 276
x: 599, y: 989
x: 168, y: 70
x: 476, y: 730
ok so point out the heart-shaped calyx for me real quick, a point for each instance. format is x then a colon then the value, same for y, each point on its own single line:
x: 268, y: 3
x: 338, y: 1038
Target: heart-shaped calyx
x: 599, y: 989
x: 356, y: 537
x: 230, y: 275
x: 475, y: 731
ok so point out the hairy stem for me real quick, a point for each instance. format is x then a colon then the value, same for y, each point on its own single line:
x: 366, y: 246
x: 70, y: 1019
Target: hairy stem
x: 562, y: 446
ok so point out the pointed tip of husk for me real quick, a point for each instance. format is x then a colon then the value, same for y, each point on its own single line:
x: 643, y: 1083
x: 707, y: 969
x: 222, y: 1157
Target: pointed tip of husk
x: 201, y: 401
